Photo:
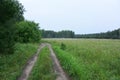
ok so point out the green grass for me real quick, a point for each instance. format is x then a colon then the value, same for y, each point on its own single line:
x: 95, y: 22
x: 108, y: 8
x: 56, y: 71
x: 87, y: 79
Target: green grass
x: 43, y: 69
x: 12, y: 65
x: 89, y: 59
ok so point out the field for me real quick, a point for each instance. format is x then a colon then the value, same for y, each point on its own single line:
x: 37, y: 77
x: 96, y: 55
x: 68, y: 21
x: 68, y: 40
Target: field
x: 89, y: 59
x: 81, y: 59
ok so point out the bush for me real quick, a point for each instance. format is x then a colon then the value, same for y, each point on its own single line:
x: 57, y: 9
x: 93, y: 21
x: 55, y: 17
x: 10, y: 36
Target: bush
x: 6, y: 40
x: 63, y: 46
x: 27, y: 31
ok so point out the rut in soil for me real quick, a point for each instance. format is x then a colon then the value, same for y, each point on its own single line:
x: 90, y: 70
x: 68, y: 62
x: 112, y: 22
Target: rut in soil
x: 61, y: 75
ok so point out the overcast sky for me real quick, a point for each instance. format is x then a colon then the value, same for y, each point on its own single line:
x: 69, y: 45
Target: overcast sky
x: 80, y: 16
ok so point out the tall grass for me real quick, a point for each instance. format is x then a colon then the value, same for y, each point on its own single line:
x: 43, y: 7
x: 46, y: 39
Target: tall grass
x: 43, y: 69
x: 89, y: 59
x: 12, y: 65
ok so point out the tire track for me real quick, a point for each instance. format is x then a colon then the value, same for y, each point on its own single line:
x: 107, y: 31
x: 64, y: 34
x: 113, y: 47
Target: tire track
x: 61, y: 75
x: 30, y: 63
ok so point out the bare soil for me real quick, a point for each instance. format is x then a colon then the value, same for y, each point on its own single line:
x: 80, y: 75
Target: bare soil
x: 61, y: 75
x: 30, y: 63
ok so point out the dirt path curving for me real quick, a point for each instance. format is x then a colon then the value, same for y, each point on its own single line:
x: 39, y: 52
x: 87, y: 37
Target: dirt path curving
x: 28, y: 67
x: 61, y: 75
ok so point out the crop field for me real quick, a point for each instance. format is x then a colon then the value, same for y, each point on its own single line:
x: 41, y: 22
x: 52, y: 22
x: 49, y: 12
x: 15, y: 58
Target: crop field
x: 88, y: 59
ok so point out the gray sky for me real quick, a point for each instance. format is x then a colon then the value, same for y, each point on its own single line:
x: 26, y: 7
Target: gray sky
x: 80, y: 16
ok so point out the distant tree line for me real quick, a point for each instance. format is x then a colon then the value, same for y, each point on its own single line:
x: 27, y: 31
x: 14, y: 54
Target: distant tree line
x: 60, y: 34
x: 115, y: 34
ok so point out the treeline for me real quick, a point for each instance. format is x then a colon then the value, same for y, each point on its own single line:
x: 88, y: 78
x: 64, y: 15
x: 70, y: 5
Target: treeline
x: 14, y: 28
x: 115, y: 34
x: 60, y: 34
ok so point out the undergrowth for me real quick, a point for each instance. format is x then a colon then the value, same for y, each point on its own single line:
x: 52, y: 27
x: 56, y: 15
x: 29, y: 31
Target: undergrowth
x: 11, y: 65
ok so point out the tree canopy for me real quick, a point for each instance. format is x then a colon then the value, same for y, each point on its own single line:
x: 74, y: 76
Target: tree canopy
x: 11, y: 11
x: 27, y: 31
x: 60, y: 34
x: 115, y: 34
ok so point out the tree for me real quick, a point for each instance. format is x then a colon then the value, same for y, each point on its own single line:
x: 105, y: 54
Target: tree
x: 115, y: 34
x: 11, y: 11
x: 27, y: 31
x: 60, y: 34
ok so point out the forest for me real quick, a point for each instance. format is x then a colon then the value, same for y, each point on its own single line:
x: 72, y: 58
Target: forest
x: 60, y: 34
x: 115, y: 34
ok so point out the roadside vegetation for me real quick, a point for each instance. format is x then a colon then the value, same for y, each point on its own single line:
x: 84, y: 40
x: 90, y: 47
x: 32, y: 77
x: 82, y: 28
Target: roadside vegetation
x: 11, y: 65
x: 11, y: 12
x: 27, y: 31
x: 14, y: 28
x: 43, y: 69
x: 89, y: 59
x: 19, y: 39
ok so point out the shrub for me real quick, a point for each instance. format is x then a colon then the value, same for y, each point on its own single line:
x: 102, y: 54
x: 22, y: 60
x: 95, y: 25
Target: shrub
x: 27, y: 31
x: 63, y: 46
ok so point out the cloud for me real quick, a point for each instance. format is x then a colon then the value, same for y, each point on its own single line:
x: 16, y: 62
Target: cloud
x: 83, y: 16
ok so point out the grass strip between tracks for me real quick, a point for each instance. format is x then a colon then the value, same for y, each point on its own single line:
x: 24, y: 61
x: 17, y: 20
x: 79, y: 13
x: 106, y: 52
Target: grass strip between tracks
x: 43, y: 69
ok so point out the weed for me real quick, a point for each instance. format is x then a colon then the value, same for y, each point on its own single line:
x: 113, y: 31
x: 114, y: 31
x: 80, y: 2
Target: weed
x: 62, y: 46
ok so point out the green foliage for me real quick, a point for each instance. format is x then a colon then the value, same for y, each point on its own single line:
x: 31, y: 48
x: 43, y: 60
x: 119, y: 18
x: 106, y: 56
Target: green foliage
x: 6, y: 39
x: 11, y: 11
x: 69, y: 64
x: 89, y: 59
x: 115, y: 34
x: 60, y: 34
x: 27, y: 31
x: 62, y: 46
x: 65, y: 34
x: 11, y: 65
x: 43, y: 69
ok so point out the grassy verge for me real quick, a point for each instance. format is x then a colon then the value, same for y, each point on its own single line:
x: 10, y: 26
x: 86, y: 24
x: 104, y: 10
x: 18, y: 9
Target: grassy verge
x: 70, y: 64
x: 43, y: 69
x: 11, y: 65
x: 89, y: 59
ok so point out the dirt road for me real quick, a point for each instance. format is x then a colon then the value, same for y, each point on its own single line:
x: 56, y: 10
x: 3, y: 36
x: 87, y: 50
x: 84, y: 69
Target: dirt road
x: 61, y: 75
x: 28, y: 67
